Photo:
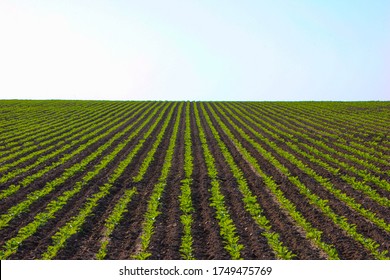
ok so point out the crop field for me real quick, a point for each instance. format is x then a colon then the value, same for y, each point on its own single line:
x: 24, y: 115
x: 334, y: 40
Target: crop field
x: 194, y: 180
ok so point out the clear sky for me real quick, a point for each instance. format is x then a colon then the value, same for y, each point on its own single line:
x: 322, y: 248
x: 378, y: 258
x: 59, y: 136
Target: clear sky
x: 195, y: 50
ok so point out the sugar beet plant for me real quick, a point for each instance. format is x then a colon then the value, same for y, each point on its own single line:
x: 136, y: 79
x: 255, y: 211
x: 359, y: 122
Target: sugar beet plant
x: 94, y: 180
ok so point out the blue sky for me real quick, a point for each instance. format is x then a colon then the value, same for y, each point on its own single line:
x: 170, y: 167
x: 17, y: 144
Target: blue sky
x: 195, y: 50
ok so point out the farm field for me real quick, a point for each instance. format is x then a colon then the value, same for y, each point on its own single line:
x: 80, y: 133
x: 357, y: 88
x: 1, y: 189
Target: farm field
x: 194, y: 180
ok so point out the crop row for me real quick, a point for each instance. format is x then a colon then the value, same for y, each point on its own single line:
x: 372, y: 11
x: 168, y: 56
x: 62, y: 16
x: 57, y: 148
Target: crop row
x: 292, y: 139
x: 340, y: 128
x: 314, y: 199
x: 333, y: 139
x: 236, y: 180
x: 26, y: 181
x: 54, y: 206
x: 37, y: 132
x: 60, y: 144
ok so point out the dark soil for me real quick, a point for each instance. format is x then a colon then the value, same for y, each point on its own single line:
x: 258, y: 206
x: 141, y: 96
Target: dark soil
x: 125, y: 240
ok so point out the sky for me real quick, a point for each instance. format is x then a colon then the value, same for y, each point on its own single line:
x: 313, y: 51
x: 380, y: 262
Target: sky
x: 259, y: 50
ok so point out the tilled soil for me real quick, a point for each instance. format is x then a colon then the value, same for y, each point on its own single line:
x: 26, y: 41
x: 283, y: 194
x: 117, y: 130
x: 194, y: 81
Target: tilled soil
x: 208, y: 243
